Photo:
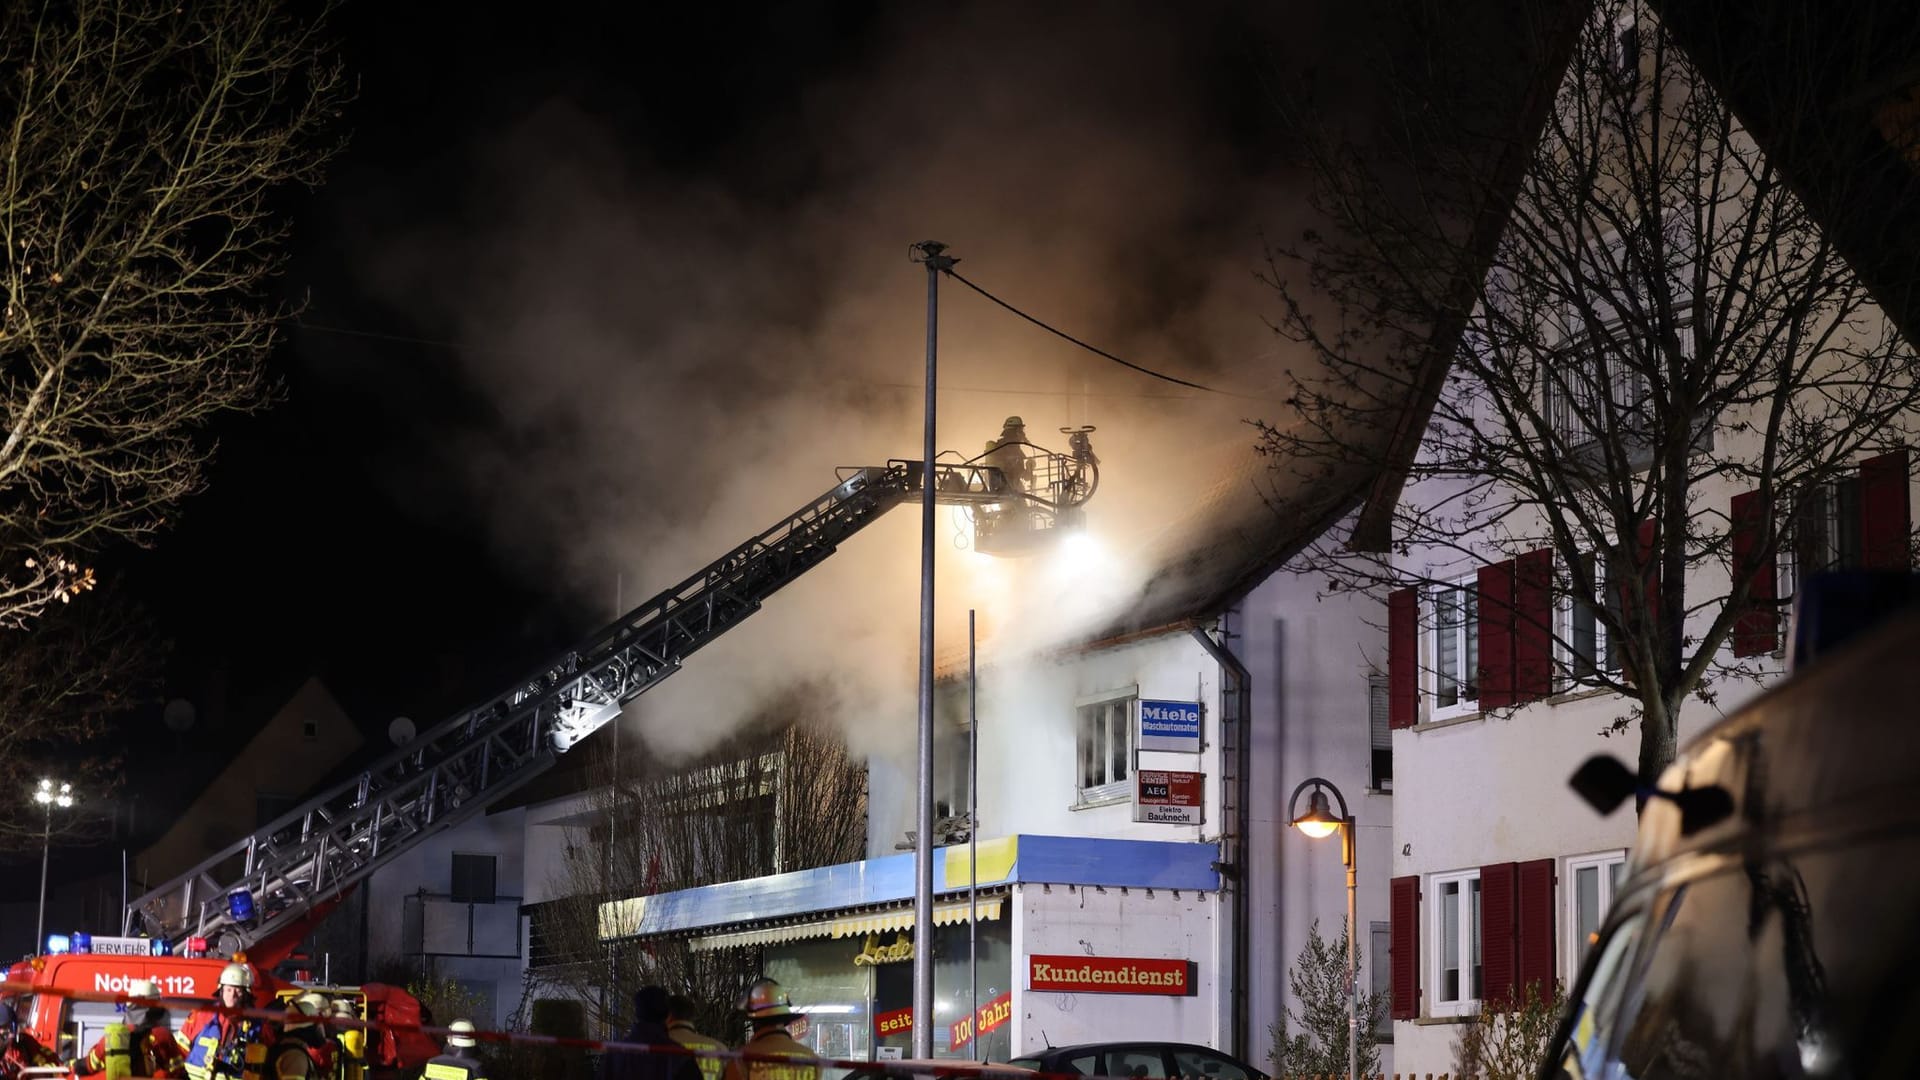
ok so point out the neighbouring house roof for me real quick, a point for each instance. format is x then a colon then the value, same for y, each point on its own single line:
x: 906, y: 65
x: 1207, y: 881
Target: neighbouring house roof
x: 1831, y: 93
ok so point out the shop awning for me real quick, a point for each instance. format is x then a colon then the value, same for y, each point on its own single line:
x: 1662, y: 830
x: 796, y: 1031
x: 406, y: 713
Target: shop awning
x: 846, y: 926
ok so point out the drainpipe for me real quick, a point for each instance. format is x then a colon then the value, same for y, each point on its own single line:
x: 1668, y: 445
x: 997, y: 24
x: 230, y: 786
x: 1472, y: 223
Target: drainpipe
x: 1237, y: 711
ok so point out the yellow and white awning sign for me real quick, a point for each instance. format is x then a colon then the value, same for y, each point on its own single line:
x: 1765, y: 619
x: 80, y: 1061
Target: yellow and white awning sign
x: 848, y: 926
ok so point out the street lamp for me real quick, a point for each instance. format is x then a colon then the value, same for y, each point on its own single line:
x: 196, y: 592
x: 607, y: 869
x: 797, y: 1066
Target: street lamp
x: 49, y: 795
x: 1318, y: 823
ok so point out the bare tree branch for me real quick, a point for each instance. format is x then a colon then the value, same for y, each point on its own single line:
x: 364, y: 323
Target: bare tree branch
x: 1663, y: 323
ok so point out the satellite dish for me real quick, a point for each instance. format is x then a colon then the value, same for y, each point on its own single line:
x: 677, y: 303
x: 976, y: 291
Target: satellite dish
x: 400, y: 731
x: 178, y: 715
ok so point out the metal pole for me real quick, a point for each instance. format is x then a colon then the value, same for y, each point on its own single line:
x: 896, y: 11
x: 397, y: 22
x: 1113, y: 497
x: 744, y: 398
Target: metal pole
x: 1353, y: 989
x: 46, y: 843
x: 973, y: 837
x: 930, y: 253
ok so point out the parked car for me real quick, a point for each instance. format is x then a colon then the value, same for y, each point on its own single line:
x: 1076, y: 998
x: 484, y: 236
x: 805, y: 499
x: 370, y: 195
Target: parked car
x: 936, y: 1069
x: 1773, y: 934
x: 1152, y: 1060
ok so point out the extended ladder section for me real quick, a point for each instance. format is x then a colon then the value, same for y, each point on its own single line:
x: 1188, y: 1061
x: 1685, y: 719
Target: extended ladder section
x: 266, y: 883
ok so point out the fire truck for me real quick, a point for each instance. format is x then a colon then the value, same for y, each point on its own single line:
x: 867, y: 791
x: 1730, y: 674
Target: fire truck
x: 42, y: 991
x: 260, y: 896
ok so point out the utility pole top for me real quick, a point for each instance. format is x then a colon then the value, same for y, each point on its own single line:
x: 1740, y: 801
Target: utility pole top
x: 933, y: 253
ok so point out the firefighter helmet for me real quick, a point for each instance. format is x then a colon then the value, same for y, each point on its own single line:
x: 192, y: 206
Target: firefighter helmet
x: 1014, y: 422
x: 766, y: 1000
x: 344, y: 1007
x: 239, y: 975
x: 309, y: 1004
x: 460, y: 1033
x: 142, y: 988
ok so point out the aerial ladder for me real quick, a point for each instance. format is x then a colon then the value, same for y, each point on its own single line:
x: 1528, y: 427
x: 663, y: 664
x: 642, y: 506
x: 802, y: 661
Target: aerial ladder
x: 262, y: 893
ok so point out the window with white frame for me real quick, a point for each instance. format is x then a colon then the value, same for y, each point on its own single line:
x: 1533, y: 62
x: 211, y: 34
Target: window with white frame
x: 1104, y: 736
x: 1454, y: 960
x: 1592, y: 881
x: 1453, y: 646
x: 1586, y: 649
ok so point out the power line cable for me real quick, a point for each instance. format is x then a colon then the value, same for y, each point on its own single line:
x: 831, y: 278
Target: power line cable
x: 1094, y: 349
x: 458, y: 346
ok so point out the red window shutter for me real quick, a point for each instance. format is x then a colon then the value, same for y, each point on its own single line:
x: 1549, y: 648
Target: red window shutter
x: 1499, y: 960
x: 1533, y: 625
x: 1884, y: 512
x: 1758, y: 629
x: 1496, y: 635
x: 1403, y: 659
x: 1534, y: 917
x: 1404, y: 936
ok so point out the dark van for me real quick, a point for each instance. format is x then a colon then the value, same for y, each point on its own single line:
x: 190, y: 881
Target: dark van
x: 1781, y: 939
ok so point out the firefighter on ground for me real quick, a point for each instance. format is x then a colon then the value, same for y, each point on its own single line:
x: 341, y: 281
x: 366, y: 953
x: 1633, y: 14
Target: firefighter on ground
x: 349, y: 1043
x: 769, y: 1011
x: 303, y: 1051
x: 680, y: 1028
x: 19, y: 1049
x: 222, y: 1045
x: 140, y: 1045
x: 460, y: 1062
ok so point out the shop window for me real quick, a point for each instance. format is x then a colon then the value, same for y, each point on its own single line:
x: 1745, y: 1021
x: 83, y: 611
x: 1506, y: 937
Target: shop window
x: 1105, y: 741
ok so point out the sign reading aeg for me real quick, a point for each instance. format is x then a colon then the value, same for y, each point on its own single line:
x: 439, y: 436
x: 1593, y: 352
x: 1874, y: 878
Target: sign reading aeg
x: 1109, y: 975
x: 1169, y: 798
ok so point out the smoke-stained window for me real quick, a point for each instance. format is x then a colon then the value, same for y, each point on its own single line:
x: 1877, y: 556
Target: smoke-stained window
x: 1105, y: 743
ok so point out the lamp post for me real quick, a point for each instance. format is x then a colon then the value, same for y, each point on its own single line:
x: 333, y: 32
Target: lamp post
x: 49, y: 795
x: 1319, y: 822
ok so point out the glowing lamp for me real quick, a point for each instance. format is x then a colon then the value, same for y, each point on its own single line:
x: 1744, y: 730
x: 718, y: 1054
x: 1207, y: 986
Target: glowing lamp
x: 58, y: 944
x: 82, y: 942
x: 240, y: 905
x: 196, y: 946
x: 1318, y: 822
x: 159, y: 947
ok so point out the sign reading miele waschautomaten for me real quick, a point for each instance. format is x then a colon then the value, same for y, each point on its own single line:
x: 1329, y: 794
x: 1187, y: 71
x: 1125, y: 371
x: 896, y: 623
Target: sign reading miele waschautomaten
x: 1169, y: 798
x: 1170, y: 725
x: 1109, y: 975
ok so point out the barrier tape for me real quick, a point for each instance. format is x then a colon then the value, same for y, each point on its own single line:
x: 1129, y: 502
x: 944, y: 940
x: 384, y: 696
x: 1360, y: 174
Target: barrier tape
x: 945, y: 1066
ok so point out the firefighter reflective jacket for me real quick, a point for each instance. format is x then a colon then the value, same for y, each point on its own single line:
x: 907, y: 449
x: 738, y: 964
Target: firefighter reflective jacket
x: 454, y: 1065
x: 136, y: 1052
x: 686, y: 1035
x: 776, y: 1042
x: 300, y: 1056
x: 223, y: 1047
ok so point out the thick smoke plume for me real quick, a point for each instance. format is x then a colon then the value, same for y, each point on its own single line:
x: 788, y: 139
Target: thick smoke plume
x: 676, y: 365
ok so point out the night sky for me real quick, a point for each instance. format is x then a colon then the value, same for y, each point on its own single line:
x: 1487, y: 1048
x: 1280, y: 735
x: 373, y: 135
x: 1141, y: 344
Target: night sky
x: 333, y: 539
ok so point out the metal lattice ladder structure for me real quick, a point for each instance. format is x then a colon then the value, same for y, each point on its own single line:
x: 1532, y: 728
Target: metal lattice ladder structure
x: 314, y: 853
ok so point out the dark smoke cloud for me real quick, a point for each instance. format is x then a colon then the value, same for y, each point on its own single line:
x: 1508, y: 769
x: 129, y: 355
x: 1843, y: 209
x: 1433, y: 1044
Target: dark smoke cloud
x: 676, y: 361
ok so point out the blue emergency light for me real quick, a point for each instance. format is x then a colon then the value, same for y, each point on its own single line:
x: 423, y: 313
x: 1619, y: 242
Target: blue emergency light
x: 240, y: 905
x: 82, y: 942
x: 159, y: 947
x: 58, y: 944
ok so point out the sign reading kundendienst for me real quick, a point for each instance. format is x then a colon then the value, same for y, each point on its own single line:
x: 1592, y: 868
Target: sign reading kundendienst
x: 1169, y: 798
x: 1170, y: 725
x: 1110, y: 975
